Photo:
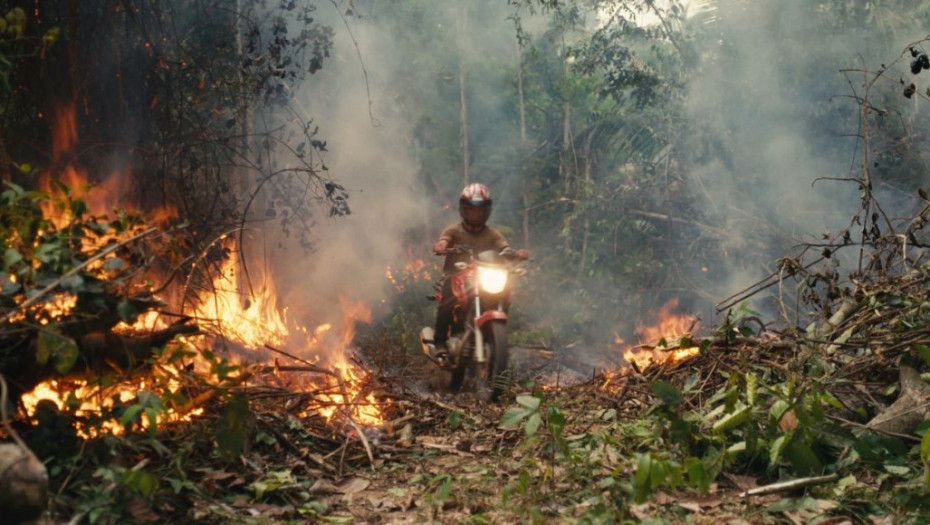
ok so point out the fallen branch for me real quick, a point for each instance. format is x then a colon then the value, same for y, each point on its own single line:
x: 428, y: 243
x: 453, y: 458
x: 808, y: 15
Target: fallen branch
x: 783, y: 486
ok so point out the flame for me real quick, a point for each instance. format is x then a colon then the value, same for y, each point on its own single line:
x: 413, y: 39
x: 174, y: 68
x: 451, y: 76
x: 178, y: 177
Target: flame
x: 258, y: 322
x: 415, y: 270
x: 254, y: 320
x: 88, y: 399
x: 110, y: 193
x: 669, y: 327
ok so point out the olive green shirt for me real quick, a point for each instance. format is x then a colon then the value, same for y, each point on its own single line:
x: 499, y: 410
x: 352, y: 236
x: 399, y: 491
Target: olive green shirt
x: 487, y: 239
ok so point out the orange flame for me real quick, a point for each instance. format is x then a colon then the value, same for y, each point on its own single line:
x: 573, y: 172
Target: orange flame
x: 669, y: 327
x: 254, y: 322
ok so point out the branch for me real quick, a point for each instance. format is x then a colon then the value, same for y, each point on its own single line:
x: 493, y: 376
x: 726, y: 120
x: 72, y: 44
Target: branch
x: 35, y: 298
x: 790, y: 485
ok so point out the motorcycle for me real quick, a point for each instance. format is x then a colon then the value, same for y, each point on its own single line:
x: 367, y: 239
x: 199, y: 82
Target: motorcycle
x: 477, y: 347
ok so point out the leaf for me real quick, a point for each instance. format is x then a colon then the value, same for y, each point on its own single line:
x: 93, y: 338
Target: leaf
x: 666, y: 392
x: 776, y: 448
x: 530, y: 402
x: 924, y: 352
x: 555, y: 421
x: 141, y: 481
x: 802, y: 457
x: 113, y: 264
x: 10, y: 257
x: 698, y: 477
x: 455, y: 419
x: 73, y: 283
x: 232, y: 427
x: 131, y: 415
x: 532, y: 424
x: 127, y: 312
x: 62, y: 350
x: 733, y: 419
x: 512, y: 416
x: 641, y: 478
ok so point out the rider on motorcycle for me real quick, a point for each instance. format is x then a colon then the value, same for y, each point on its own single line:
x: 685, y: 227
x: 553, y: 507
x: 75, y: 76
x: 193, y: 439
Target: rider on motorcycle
x: 473, y: 231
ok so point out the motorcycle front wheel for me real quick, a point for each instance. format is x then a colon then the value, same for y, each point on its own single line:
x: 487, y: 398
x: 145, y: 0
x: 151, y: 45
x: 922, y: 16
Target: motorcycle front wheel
x: 492, y: 377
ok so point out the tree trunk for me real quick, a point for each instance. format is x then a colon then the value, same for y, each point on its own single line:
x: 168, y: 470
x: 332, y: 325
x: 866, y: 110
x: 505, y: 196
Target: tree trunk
x: 523, y: 179
x: 567, y: 164
x: 584, y: 194
x: 463, y: 111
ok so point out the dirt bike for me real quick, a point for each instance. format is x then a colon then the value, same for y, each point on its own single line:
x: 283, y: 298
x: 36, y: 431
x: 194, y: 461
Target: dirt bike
x: 477, y: 347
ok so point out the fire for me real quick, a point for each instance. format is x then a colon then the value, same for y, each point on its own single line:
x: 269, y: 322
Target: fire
x: 670, y: 327
x: 259, y: 322
x: 252, y: 321
x: 89, y: 400
x: 413, y: 271
x: 110, y: 193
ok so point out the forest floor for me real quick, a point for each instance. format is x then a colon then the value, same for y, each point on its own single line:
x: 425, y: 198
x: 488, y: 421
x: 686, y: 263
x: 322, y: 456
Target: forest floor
x: 566, y: 445
x: 453, y: 462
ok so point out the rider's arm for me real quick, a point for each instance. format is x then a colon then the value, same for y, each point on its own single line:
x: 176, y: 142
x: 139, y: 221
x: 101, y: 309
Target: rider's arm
x: 445, y: 241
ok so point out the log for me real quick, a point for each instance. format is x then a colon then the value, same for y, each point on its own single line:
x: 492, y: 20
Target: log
x: 911, y: 407
x: 125, y: 349
x: 23, y: 478
x: 23, y: 484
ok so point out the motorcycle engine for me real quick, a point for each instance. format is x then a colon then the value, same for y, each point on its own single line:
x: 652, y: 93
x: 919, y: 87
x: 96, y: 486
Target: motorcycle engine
x: 454, y: 346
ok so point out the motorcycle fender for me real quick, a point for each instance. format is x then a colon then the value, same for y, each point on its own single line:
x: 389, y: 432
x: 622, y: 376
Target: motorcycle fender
x: 460, y: 286
x: 490, y: 315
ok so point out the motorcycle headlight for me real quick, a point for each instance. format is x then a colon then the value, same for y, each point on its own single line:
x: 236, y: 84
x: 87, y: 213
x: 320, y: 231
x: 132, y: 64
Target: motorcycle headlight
x: 493, y: 280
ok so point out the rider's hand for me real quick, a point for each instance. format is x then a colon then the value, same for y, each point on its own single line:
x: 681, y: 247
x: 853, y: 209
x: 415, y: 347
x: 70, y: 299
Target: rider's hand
x: 440, y: 247
x: 523, y: 254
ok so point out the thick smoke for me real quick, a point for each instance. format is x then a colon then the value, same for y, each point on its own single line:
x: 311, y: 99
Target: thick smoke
x: 367, y: 155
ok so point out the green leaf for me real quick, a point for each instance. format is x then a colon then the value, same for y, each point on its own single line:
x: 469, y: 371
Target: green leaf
x: 698, y: 477
x: 802, y: 457
x: 666, y: 392
x: 530, y: 402
x: 555, y: 421
x: 10, y: 257
x: 113, y: 264
x: 131, y: 415
x: 141, y: 481
x: 641, y: 478
x: 455, y: 419
x: 732, y: 420
x: 532, y: 424
x: 62, y: 350
x: 512, y: 416
x: 924, y: 352
x: 73, y: 283
x: 776, y: 448
x: 127, y: 312
x: 233, y: 426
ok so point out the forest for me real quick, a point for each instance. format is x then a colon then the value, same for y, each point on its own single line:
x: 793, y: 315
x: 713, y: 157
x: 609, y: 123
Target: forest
x: 218, y: 219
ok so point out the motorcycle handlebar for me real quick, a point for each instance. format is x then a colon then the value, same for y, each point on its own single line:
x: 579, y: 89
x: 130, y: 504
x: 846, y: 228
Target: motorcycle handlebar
x: 508, y: 253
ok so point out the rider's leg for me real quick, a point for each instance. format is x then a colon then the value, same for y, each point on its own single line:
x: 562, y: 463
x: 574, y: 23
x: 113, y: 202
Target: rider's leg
x: 444, y: 314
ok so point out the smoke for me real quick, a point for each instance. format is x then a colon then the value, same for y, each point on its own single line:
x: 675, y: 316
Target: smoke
x: 351, y: 101
x: 772, y: 93
x: 769, y: 93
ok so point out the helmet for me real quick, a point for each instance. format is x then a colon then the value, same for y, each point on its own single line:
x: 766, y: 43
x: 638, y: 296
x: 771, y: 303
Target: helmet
x: 475, y: 205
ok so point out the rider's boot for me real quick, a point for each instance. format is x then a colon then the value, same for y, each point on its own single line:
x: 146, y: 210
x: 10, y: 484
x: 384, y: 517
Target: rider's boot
x: 435, y: 352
